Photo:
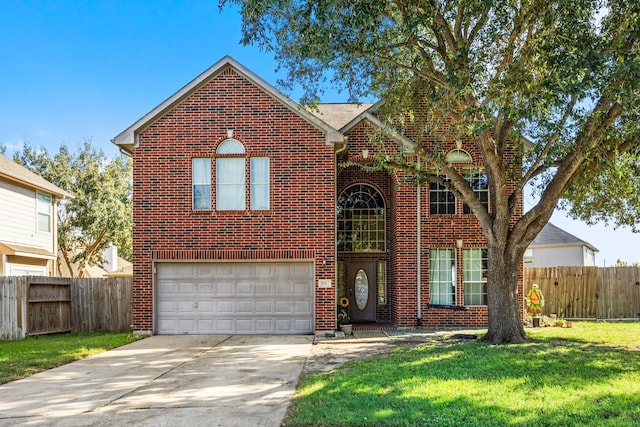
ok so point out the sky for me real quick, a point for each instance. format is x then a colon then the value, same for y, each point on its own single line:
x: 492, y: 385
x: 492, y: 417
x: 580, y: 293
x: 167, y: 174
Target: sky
x: 77, y: 70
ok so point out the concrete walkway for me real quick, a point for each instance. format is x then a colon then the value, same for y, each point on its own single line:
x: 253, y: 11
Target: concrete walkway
x: 165, y: 381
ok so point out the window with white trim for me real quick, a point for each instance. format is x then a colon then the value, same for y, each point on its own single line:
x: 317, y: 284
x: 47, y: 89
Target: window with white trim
x: 474, y: 279
x: 230, y: 176
x: 259, y: 168
x: 442, y: 285
x: 201, y: 183
x: 43, y: 208
x: 441, y: 199
x: 361, y: 220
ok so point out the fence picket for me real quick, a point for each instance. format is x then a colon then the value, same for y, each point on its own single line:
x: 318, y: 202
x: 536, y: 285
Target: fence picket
x: 40, y: 305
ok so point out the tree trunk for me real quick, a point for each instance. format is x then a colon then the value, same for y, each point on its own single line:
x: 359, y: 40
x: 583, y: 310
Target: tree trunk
x: 505, y: 323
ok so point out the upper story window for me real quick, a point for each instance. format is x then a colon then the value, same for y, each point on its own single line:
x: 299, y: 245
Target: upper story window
x: 361, y: 220
x: 259, y: 183
x: 43, y: 208
x: 231, y: 178
x: 477, y: 179
x: 201, y: 183
x: 459, y: 156
x: 441, y: 200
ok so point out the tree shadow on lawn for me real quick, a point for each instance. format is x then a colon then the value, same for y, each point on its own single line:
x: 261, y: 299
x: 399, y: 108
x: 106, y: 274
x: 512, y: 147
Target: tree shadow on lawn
x: 547, y: 382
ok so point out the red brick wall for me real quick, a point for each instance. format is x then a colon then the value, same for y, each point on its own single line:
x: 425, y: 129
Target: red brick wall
x: 437, y: 231
x: 299, y: 223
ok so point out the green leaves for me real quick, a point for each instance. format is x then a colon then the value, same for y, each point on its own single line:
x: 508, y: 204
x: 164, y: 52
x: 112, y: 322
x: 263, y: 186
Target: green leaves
x: 101, y: 208
x: 556, y: 80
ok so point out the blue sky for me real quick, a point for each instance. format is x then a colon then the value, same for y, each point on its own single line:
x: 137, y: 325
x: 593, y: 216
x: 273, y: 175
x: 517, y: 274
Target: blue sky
x: 74, y: 70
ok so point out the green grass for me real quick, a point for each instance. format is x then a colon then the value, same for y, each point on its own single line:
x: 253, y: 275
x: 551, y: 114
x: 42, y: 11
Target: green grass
x: 19, y: 359
x: 588, y: 375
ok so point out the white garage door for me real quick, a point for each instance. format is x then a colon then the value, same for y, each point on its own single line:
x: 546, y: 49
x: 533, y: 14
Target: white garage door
x: 234, y: 298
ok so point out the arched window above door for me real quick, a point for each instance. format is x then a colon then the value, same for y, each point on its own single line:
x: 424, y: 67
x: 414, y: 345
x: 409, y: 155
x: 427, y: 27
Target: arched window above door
x: 361, y: 220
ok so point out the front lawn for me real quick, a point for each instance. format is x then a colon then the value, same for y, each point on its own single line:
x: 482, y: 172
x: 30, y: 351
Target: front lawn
x: 585, y: 375
x: 19, y: 359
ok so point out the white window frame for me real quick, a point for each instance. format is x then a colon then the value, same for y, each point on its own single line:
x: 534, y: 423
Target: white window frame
x: 447, y: 268
x: 474, y: 276
x: 231, y: 176
x: 40, y: 213
x: 259, y: 169
x: 201, y: 183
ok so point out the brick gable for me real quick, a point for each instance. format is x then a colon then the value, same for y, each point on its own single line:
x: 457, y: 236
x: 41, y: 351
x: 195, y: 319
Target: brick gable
x: 299, y: 223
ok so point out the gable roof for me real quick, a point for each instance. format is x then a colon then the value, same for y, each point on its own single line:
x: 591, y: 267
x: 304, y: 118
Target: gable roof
x: 339, y: 115
x: 550, y: 235
x: 127, y: 138
x: 18, y: 173
x: 345, y: 117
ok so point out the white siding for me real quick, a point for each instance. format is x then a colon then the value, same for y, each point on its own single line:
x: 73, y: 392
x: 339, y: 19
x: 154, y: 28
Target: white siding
x: 557, y: 256
x: 18, y: 218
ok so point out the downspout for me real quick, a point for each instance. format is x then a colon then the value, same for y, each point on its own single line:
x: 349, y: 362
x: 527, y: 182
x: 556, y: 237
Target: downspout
x: 335, y: 223
x: 419, y: 250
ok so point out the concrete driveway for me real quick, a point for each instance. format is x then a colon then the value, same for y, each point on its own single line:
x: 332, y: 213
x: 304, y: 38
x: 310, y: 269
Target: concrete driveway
x: 165, y: 381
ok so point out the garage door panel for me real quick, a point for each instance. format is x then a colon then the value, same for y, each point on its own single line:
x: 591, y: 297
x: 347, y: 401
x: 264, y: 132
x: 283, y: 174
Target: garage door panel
x: 301, y: 307
x: 283, y: 289
x: 264, y: 307
x: 223, y: 270
x: 262, y: 288
x: 168, y: 325
x: 186, y: 288
x: 167, y: 308
x: 300, y: 289
x: 204, y: 270
x: 223, y: 307
x: 224, y: 288
x: 205, y: 289
x: 234, y: 298
x: 264, y: 326
x: 244, y: 289
x: 245, y: 270
x: 302, y: 325
x: 283, y: 307
x: 206, y: 307
x: 245, y: 307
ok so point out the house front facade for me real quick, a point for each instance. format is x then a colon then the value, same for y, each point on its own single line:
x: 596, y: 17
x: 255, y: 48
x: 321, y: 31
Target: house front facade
x: 246, y: 219
x: 28, y: 226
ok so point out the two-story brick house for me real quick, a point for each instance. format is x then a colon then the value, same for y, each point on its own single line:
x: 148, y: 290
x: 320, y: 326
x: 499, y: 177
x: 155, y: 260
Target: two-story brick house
x: 246, y: 220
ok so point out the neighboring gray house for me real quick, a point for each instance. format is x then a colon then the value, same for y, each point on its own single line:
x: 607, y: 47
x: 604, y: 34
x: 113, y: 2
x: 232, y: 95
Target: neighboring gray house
x: 555, y: 247
x: 28, y: 226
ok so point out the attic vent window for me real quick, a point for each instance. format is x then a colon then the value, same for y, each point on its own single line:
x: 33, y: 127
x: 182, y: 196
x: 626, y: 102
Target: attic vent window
x: 459, y: 156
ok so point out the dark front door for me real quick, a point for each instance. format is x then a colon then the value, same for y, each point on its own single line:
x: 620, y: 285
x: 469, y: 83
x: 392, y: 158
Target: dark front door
x: 361, y: 290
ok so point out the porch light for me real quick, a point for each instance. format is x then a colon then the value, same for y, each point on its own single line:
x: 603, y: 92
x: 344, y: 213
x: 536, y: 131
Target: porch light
x: 229, y: 133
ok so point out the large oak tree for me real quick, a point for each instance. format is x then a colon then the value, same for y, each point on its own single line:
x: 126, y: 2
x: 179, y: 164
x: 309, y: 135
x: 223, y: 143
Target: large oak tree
x: 558, y: 81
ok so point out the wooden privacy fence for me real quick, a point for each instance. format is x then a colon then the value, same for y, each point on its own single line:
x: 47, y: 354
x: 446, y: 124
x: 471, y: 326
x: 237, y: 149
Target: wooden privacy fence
x: 609, y: 293
x: 32, y: 305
